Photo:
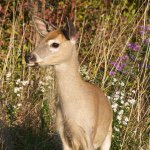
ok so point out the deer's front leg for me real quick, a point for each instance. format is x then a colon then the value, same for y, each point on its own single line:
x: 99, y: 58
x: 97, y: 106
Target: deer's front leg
x: 60, y: 128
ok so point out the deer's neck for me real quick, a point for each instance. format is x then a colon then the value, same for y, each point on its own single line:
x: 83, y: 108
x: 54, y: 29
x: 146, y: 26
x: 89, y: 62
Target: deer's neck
x: 68, y: 78
x: 67, y: 73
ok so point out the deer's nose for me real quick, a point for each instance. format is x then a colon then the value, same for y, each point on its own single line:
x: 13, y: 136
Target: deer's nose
x: 30, y: 58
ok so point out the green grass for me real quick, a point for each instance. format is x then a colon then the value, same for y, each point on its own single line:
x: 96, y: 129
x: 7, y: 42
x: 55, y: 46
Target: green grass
x: 28, y: 96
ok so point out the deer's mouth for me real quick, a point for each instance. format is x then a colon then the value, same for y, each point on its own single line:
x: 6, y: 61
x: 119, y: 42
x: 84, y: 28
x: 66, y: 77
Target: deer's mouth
x: 30, y: 60
x: 32, y: 64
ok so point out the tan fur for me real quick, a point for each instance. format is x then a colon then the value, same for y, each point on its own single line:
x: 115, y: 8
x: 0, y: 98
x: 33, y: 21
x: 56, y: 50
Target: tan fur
x: 84, y: 115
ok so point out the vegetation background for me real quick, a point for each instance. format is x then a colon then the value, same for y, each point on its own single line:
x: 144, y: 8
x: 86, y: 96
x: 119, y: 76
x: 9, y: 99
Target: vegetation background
x: 114, y: 53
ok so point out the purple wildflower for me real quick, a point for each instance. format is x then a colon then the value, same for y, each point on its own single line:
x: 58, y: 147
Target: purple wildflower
x: 134, y: 46
x: 119, y: 60
x: 144, y: 29
x: 113, y: 63
x: 112, y: 73
x: 129, y: 45
x: 147, y: 41
x: 124, y: 57
x: 120, y: 66
x: 142, y: 32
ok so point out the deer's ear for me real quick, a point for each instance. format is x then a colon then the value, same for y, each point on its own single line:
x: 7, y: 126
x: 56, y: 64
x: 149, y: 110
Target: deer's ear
x: 42, y: 26
x: 70, y: 31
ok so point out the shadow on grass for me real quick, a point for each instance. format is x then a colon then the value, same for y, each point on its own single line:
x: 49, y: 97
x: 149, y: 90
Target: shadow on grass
x: 19, y: 138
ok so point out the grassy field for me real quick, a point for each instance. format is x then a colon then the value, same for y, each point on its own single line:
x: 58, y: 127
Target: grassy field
x: 114, y: 53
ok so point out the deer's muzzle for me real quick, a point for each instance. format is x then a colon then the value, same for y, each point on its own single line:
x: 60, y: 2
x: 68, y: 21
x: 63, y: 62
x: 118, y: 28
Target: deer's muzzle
x: 30, y: 59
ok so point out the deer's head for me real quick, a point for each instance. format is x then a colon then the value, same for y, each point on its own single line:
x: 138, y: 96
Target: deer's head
x: 56, y: 45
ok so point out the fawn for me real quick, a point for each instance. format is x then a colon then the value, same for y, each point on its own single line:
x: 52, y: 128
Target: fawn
x: 83, y: 113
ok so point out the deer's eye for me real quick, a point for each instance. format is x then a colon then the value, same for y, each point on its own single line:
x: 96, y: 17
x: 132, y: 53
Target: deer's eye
x: 55, y: 45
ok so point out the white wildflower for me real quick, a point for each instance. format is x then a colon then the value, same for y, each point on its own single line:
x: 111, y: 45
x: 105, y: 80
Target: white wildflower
x: 114, y: 79
x: 113, y: 83
x: 121, y: 112
x: 18, y: 95
x: 122, y: 83
x: 20, y: 87
x: 124, y: 123
x: 114, y: 107
x: 121, y: 97
x: 42, y: 90
x: 18, y: 81
x: 48, y: 78
x: 41, y: 83
x: 119, y: 117
x: 129, y: 93
x: 19, y: 104
x: 126, y: 104
x: 16, y: 89
x: 122, y: 94
x: 132, y: 101
x: 135, y: 131
x: 116, y: 129
x: 126, y: 119
x: 122, y: 101
x: 133, y: 91
x: 116, y: 98
x: 24, y: 83
x: 118, y: 92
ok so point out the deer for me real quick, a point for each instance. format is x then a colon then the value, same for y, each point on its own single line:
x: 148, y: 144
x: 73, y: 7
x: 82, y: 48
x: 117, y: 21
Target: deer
x: 83, y: 112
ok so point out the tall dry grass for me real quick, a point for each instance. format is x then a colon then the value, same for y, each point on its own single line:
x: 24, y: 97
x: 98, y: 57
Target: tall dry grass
x: 28, y: 95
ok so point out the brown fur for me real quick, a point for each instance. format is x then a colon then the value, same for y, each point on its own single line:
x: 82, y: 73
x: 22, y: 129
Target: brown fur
x: 55, y: 34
